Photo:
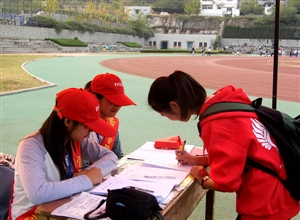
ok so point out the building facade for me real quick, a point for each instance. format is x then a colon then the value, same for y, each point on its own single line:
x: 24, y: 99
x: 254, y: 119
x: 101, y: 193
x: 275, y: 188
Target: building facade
x: 181, y: 41
x: 269, y: 4
x: 220, y: 8
x: 135, y: 11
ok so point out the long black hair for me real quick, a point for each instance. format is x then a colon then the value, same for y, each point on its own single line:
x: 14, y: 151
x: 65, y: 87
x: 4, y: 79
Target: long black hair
x: 88, y: 87
x: 179, y: 87
x: 57, y: 140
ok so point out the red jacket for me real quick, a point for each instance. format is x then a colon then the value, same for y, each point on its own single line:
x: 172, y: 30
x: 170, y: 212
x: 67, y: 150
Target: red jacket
x: 230, y: 138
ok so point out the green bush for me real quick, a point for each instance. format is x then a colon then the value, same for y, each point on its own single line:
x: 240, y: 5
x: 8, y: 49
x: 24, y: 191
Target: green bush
x: 130, y: 44
x: 104, y: 29
x: 46, y: 22
x: 148, y: 33
x: 59, y: 26
x: 224, y: 52
x: 89, y: 27
x: 83, y: 27
x: 259, y: 32
x: 130, y: 32
x: 77, y: 26
x: 68, y: 42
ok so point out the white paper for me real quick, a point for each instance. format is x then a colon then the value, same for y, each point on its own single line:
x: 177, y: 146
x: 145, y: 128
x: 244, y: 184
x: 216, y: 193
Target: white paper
x: 148, y: 152
x: 160, y: 157
x: 154, y: 174
x: 79, y: 206
x: 160, y: 191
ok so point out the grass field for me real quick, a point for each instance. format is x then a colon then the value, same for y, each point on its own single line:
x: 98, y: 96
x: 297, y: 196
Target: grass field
x: 13, y: 77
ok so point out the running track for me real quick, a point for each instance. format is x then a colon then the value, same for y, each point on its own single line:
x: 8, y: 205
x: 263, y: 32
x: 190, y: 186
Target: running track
x: 253, y: 74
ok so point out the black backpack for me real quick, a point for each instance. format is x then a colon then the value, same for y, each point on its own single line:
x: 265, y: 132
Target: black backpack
x: 283, y: 128
x: 128, y: 204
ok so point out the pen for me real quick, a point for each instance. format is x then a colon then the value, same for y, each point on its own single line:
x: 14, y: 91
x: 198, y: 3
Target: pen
x: 140, y: 189
x: 182, y: 149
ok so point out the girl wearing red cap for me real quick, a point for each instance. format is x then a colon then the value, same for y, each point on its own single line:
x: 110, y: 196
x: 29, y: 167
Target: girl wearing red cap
x: 109, y: 90
x: 229, y: 138
x: 48, y: 162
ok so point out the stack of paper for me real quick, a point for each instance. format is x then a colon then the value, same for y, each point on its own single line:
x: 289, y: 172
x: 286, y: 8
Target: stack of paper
x: 160, y: 191
x: 79, y: 206
x: 154, y: 174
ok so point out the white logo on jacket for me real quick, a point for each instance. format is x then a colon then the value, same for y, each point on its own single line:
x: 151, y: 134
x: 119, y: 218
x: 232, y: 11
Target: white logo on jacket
x: 262, y: 134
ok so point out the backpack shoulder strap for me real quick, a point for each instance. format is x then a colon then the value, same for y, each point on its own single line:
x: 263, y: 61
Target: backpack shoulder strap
x: 158, y: 215
x: 261, y: 167
x: 231, y: 106
x: 226, y: 107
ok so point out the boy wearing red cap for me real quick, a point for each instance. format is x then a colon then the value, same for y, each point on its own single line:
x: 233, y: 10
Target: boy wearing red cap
x: 109, y: 90
x: 48, y: 163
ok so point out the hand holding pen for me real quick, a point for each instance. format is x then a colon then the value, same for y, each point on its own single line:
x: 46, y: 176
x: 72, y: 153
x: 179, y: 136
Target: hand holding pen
x: 184, y: 157
x: 181, y: 152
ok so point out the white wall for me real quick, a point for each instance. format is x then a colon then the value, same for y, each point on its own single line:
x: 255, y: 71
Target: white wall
x: 219, y: 8
x: 134, y: 11
x: 38, y: 33
x: 184, y: 39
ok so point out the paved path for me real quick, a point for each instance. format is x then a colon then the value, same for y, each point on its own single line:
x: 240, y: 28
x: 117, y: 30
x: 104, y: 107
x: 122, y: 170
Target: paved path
x: 253, y: 74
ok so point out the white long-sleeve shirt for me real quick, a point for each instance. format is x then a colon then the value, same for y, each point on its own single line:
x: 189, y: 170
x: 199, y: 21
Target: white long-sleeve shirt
x: 37, y: 179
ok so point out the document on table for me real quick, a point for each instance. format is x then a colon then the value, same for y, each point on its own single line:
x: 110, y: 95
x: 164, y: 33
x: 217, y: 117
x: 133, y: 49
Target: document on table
x: 148, y: 151
x: 167, y: 163
x: 79, y: 206
x: 154, y: 174
x: 160, y: 191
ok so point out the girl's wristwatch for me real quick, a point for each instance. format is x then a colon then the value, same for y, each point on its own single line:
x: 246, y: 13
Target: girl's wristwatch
x: 203, y: 181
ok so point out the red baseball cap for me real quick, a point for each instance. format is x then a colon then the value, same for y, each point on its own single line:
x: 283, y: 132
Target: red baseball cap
x: 82, y: 106
x: 111, y: 87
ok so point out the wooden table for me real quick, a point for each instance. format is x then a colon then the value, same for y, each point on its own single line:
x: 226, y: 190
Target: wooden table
x: 182, y: 200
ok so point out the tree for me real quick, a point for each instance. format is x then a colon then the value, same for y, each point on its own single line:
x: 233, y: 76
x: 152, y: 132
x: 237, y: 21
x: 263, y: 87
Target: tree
x: 141, y: 26
x: 217, y: 42
x: 295, y: 4
x: 192, y: 7
x: 91, y: 10
x: 174, y: 4
x: 251, y: 7
x: 288, y: 14
x: 118, y: 13
x: 50, y: 7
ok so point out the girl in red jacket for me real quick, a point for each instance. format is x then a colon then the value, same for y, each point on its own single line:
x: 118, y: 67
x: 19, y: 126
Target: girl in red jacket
x: 229, y: 138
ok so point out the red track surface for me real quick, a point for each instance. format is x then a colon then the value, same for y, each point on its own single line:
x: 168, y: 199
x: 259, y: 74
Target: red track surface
x: 253, y: 74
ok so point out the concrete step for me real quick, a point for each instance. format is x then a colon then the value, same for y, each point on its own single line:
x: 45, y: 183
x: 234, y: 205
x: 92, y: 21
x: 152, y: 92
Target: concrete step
x: 45, y: 46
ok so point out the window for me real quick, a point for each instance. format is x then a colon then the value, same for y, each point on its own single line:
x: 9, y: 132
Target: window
x: 207, y: 7
x: 200, y: 44
x: 154, y: 43
x: 137, y: 11
x: 150, y: 43
x: 175, y: 44
x: 179, y: 44
x: 205, y: 44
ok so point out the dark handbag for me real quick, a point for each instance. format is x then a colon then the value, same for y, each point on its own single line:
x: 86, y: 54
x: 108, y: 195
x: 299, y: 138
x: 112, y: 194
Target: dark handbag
x: 130, y: 204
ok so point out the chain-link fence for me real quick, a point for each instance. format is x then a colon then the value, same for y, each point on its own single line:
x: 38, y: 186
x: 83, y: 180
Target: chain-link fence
x: 22, y: 12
